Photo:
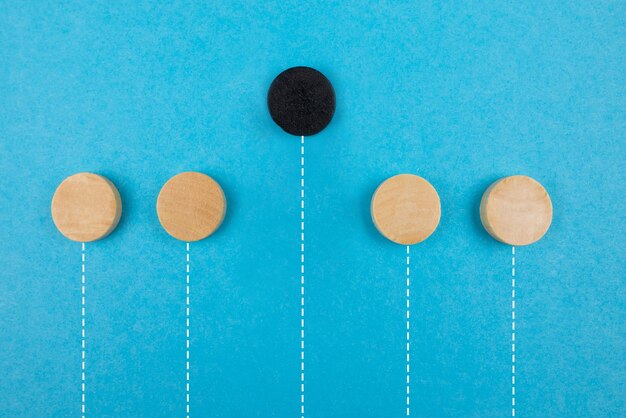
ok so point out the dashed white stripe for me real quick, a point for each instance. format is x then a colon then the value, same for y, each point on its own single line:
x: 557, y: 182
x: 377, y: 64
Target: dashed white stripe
x: 513, y: 331
x: 82, y: 331
x: 302, y: 276
x: 187, y: 336
x: 408, y: 331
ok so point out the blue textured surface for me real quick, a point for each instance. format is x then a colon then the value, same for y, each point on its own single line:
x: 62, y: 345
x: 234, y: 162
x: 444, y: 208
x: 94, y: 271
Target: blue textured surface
x: 461, y: 93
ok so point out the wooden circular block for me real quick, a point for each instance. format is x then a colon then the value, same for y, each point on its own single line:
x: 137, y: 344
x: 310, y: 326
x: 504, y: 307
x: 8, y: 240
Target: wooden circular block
x: 516, y: 210
x: 406, y: 209
x: 86, y: 207
x: 191, y: 206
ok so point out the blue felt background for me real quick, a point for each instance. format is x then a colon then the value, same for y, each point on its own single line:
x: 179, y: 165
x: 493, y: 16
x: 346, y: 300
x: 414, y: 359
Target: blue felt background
x: 461, y: 93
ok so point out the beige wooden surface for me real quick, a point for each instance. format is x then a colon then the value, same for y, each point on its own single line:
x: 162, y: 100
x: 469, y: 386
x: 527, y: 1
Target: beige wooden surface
x: 86, y: 207
x: 406, y: 209
x: 191, y: 206
x: 516, y: 210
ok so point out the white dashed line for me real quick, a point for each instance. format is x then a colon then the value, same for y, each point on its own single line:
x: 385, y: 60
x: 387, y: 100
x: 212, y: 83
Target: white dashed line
x: 302, y: 276
x: 82, y: 331
x: 408, y: 331
x: 512, y: 331
x: 187, y: 336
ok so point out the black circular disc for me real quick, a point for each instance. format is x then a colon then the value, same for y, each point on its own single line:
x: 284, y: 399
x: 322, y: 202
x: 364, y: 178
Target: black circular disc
x: 301, y: 101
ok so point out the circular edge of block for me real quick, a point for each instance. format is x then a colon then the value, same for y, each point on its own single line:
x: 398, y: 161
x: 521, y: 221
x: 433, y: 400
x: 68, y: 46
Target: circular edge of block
x: 193, y: 238
x: 112, y: 223
x: 484, y: 216
x: 386, y: 234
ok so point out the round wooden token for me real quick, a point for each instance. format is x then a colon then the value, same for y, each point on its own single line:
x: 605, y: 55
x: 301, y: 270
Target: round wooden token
x: 406, y: 209
x: 86, y: 207
x: 191, y: 206
x: 301, y: 101
x: 516, y: 210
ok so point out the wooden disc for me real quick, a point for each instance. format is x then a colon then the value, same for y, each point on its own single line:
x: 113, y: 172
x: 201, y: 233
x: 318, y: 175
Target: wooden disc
x: 516, y: 210
x: 191, y: 206
x: 86, y: 207
x: 406, y: 209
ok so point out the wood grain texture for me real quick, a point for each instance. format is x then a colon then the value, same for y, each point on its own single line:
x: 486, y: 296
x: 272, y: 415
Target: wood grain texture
x: 86, y: 207
x: 191, y: 206
x: 406, y: 209
x: 516, y: 210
